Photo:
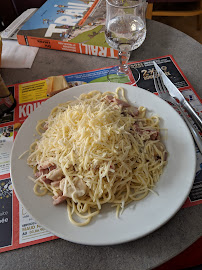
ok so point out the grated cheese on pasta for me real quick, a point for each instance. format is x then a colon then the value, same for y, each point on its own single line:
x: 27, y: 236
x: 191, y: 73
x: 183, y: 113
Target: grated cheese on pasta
x: 95, y: 150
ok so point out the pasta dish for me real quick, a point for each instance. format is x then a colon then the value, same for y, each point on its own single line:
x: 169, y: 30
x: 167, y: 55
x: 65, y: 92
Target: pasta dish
x: 94, y: 150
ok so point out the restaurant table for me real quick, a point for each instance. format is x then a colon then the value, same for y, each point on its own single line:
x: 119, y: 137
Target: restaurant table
x: 154, y: 249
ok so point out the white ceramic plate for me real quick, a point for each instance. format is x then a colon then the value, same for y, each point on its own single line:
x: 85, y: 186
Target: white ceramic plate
x: 139, y: 219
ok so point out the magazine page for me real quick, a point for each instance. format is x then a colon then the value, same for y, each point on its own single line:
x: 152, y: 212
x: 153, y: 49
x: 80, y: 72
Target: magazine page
x: 71, y: 25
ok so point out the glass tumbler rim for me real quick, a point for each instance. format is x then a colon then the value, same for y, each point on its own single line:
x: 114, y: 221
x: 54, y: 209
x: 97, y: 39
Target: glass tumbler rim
x: 109, y: 2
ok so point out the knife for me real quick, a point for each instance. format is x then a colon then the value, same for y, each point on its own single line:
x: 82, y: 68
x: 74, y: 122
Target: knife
x: 174, y: 92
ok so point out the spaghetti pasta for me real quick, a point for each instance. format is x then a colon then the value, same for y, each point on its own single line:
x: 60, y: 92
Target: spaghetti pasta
x: 95, y: 150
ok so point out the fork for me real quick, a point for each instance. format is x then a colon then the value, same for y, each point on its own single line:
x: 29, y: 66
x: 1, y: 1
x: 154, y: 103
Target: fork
x: 164, y: 94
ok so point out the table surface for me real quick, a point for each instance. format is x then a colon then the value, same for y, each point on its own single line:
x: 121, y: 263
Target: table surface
x: 150, y: 251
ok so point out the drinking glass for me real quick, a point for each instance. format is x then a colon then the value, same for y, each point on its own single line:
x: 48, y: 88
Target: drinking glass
x: 125, y: 31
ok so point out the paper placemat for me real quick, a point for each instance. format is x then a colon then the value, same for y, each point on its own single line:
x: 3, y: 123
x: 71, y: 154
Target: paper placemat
x: 17, y: 227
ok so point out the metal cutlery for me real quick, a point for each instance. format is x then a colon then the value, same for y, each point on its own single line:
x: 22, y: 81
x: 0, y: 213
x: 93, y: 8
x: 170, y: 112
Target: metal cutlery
x: 164, y: 94
x: 175, y: 93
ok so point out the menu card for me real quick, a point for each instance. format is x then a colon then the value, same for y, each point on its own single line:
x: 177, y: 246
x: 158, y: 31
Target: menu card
x: 17, y: 227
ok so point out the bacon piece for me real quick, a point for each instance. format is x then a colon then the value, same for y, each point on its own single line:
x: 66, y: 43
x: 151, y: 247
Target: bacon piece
x: 109, y: 98
x: 122, y: 103
x: 38, y: 174
x: 133, y: 111
x: 47, y: 165
x: 46, y: 180
x: 59, y: 199
x: 165, y: 156
x: 44, y: 169
x: 41, y: 172
x: 137, y: 129
x: 117, y: 101
x: 154, y: 135
x: 149, y: 134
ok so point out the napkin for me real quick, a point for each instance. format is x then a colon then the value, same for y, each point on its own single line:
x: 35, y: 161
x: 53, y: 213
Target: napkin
x: 15, y: 55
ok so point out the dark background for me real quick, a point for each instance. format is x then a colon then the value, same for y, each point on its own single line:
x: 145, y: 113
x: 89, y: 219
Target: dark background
x: 11, y: 9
